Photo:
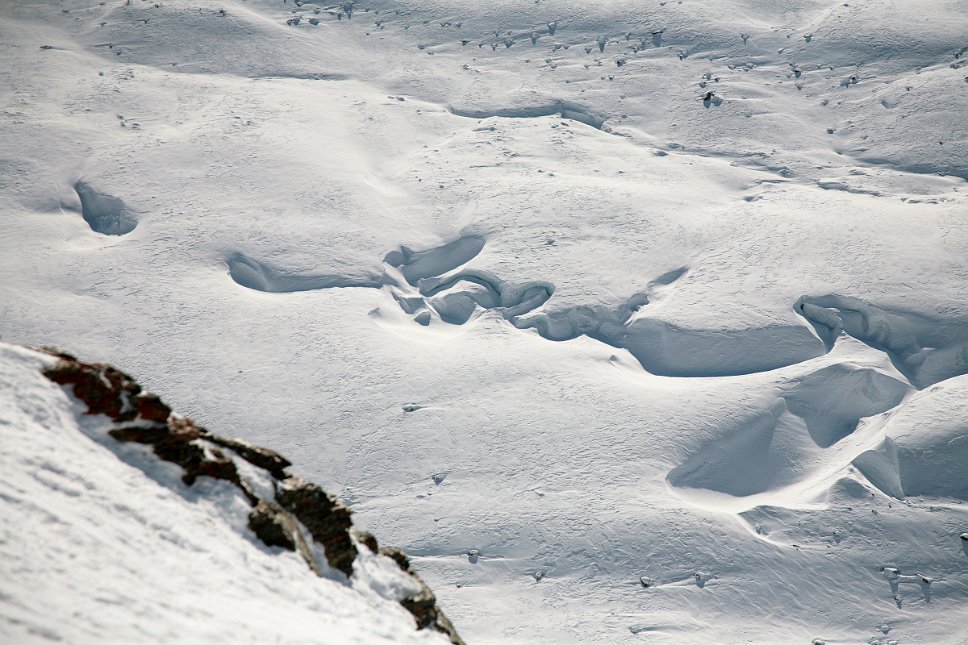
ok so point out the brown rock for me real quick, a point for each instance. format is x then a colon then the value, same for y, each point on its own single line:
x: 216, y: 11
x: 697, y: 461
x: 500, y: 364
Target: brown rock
x: 181, y: 441
x: 397, y: 555
x: 327, y: 519
x: 270, y: 527
x: 264, y: 458
x: 423, y: 604
x: 103, y: 389
x: 150, y: 407
x: 140, y: 434
x: 368, y: 540
x: 444, y: 626
x: 177, y: 442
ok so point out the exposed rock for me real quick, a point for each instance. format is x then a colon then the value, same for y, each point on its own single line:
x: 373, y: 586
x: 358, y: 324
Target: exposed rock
x: 327, y: 519
x: 150, y: 407
x: 270, y: 460
x: 176, y: 442
x: 423, y: 604
x: 270, y: 527
x: 275, y: 527
x: 296, y: 507
x: 368, y: 540
x: 104, y: 389
x: 398, y: 556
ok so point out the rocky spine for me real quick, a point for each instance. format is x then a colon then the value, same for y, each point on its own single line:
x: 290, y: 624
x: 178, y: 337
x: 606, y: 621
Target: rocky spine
x: 299, y: 512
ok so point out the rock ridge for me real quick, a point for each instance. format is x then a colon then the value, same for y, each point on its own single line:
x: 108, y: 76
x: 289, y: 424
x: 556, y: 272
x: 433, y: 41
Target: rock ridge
x: 297, y: 515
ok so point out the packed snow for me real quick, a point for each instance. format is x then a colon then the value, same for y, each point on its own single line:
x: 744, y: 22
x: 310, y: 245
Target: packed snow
x: 629, y: 321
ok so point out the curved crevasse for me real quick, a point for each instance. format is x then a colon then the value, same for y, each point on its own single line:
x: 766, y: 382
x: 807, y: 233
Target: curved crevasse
x: 564, y: 109
x: 923, y: 348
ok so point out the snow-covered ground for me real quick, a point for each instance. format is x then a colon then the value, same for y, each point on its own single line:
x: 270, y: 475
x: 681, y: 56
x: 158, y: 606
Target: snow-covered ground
x: 97, y: 549
x: 543, y: 310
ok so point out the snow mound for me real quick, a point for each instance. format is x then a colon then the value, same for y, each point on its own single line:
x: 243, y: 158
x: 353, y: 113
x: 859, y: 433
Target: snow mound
x: 798, y: 437
x: 832, y: 400
x: 925, y: 446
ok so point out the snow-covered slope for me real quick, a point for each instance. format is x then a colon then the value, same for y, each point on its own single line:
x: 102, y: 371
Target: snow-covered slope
x: 558, y: 295
x: 104, y: 540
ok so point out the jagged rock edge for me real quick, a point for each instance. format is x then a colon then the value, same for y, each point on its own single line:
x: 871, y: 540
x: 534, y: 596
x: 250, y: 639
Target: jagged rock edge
x: 298, y: 508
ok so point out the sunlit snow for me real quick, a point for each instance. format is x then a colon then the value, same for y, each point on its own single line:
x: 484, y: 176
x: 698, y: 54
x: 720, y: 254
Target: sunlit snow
x: 631, y: 321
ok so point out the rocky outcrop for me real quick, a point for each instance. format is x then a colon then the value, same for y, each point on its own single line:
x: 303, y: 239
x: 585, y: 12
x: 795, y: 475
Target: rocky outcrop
x: 422, y: 605
x: 326, y: 518
x: 298, y: 516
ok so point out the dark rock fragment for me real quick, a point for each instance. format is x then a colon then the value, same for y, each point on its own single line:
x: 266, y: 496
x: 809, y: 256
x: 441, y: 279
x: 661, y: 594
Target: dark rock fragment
x: 327, y: 519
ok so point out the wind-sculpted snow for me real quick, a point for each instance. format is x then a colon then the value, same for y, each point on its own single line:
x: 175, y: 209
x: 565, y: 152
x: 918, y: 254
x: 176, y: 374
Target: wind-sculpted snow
x: 255, y: 275
x: 753, y: 61
x: 303, y: 76
x: 661, y: 348
x: 832, y: 400
x: 925, y: 447
x: 105, y: 214
x: 922, y: 450
x: 669, y: 350
x: 828, y: 405
x: 457, y: 296
x: 925, y: 349
x: 795, y: 437
x: 564, y: 109
x: 743, y: 460
x: 556, y: 353
x: 433, y: 262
